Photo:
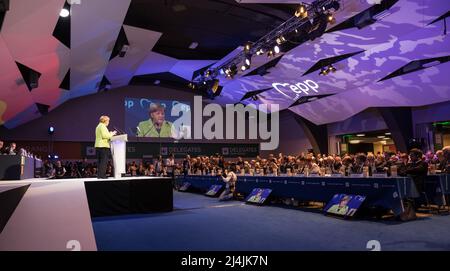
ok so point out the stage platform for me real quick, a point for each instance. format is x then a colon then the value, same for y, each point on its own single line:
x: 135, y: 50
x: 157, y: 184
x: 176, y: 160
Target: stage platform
x: 41, y: 214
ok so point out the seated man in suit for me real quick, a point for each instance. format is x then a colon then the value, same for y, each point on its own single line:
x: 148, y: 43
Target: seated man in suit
x: 358, y: 166
x: 60, y: 170
x: 402, y: 164
x: 337, y: 166
x: 156, y: 125
x: 417, y: 169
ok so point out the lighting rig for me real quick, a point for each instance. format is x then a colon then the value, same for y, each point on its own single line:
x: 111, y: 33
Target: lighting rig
x: 308, y: 22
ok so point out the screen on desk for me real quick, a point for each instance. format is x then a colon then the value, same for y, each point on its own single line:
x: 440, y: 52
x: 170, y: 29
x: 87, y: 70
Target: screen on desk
x: 258, y: 195
x: 346, y: 205
x: 214, y: 189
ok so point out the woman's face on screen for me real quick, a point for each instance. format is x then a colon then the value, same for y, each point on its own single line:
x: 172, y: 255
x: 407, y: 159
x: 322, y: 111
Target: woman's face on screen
x: 158, y: 117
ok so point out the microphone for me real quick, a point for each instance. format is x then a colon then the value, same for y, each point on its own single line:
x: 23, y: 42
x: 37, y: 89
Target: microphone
x: 118, y: 130
x: 152, y: 128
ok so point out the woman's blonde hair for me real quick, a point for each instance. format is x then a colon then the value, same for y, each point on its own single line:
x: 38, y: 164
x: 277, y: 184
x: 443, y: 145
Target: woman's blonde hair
x: 104, y: 119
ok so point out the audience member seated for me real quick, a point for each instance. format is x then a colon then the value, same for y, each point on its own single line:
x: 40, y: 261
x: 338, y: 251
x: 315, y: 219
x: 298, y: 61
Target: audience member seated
x: 445, y: 167
x: 11, y: 149
x: 311, y: 167
x: 109, y: 171
x: 417, y: 168
x: 187, y: 165
x: 132, y: 169
x: 337, y: 166
x: 170, y: 161
x: 358, y: 166
x: 2, y: 151
x: 347, y: 162
x: 59, y: 170
x: 49, y: 170
x: 380, y: 164
x: 370, y: 162
x: 281, y: 165
x: 164, y: 172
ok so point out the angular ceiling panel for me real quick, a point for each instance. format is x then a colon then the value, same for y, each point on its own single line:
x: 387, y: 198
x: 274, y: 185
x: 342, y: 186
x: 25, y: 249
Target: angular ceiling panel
x: 432, y: 87
x: 53, y: 68
x: 95, y: 26
x: 28, y: 28
x: 28, y: 33
x: 185, y: 68
x: 14, y: 95
x: 155, y: 63
x: 121, y: 69
x: 388, y: 46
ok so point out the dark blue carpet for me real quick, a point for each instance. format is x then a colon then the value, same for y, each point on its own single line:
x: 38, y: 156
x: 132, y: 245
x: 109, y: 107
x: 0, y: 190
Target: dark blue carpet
x: 199, y: 223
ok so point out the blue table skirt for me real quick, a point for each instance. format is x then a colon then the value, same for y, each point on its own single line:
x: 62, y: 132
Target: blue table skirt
x: 437, y: 187
x: 382, y: 192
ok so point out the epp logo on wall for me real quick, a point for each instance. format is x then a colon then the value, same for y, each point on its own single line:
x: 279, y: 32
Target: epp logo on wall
x: 90, y: 151
x: 164, y: 151
x: 225, y: 151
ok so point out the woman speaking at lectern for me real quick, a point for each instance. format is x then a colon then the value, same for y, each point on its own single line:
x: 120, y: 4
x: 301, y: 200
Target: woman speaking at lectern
x: 102, y: 145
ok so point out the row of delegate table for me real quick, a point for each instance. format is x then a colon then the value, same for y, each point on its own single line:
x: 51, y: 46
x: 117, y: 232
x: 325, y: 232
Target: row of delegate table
x: 381, y: 192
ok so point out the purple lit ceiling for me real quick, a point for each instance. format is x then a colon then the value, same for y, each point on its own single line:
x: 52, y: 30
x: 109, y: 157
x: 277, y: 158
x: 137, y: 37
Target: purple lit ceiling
x: 159, y: 33
x: 402, y: 35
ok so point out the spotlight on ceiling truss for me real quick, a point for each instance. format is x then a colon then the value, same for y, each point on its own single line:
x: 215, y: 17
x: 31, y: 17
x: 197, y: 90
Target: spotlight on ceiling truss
x: 327, y: 70
x: 309, y: 20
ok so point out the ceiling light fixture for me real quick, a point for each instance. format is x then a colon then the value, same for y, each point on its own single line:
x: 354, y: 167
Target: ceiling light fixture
x: 280, y: 40
x: 301, y: 12
x: 310, y: 20
x: 64, y: 13
x: 276, y: 49
x: 193, y: 45
x: 355, y: 141
x: 247, y: 47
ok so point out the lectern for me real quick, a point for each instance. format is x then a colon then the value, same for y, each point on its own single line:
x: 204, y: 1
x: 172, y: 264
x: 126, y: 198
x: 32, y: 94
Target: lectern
x: 119, y: 153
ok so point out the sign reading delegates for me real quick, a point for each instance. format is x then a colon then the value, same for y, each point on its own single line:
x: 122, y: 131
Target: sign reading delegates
x: 139, y: 150
x: 258, y: 195
x: 156, y: 118
x: 345, y: 205
x: 236, y: 150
